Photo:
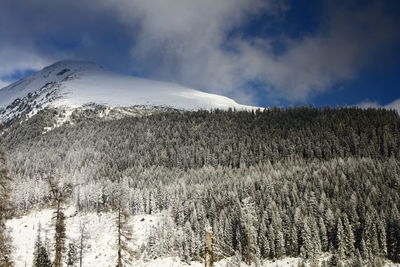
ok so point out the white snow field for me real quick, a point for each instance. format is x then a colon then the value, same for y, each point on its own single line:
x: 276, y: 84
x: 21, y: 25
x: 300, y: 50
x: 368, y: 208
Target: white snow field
x: 75, y: 83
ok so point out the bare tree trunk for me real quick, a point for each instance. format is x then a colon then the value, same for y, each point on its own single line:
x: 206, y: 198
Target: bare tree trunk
x: 82, y: 230
x: 249, y: 248
x: 59, y: 194
x: 209, y: 250
x: 119, y: 239
x: 59, y: 245
x: 81, y: 252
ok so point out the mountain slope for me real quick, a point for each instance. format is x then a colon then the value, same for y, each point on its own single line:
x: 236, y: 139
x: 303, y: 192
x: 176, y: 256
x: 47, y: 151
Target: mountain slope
x: 76, y: 83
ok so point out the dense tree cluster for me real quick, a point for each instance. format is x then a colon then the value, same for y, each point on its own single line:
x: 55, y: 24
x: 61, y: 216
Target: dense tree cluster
x: 274, y: 183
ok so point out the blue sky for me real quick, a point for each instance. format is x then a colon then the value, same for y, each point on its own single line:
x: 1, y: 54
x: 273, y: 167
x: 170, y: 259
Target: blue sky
x: 260, y: 52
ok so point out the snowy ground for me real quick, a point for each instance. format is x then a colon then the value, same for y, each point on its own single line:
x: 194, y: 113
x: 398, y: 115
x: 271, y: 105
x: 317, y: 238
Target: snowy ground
x: 101, y: 242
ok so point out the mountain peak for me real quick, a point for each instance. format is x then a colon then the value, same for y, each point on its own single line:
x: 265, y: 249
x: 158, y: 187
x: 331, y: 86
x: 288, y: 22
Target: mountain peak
x: 72, y: 65
x: 67, y: 68
x: 76, y: 83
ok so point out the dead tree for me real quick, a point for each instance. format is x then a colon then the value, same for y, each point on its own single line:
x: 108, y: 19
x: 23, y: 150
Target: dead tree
x: 82, y: 241
x: 124, y: 233
x: 209, y: 261
x: 59, y: 194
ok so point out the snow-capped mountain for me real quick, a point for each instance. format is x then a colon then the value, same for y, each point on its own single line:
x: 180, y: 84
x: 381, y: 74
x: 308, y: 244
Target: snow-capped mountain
x: 76, y: 83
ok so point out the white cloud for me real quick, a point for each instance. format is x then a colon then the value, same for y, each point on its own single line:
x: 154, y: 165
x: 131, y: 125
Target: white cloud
x: 16, y: 59
x: 181, y: 40
x: 185, y: 41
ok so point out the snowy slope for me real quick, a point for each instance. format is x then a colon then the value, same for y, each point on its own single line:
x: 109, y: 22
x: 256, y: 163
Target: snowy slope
x: 76, y: 83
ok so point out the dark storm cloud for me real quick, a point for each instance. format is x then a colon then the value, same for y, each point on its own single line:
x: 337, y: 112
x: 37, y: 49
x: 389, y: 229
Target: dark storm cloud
x: 185, y: 41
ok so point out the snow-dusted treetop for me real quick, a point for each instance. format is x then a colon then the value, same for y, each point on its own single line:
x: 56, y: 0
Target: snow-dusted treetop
x: 75, y: 83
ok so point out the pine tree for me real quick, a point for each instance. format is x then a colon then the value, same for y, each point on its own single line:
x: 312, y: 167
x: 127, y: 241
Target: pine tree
x: 393, y: 245
x: 151, y: 246
x: 249, y: 218
x: 316, y: 237
x: 323, y: 235
x: 279, y: 243
x: 43, y: 259
x: 5, y: 239
x: 340, y: 242
x: 348, y: 237
x: 40, y: 255
x: 370, y: 235
x: 38, y: 244
x: 382, y: 238
x: 263, y: 242
x: 310, y: 245
x: 364, y: 251
x: 72, y: 255
x: 358, y: 261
